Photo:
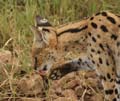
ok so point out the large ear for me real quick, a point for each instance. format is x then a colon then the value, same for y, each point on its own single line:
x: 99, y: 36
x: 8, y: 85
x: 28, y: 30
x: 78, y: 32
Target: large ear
x: 42, y: 21
x: 41, y: 32
x: 37, y: 35
x: 38, y: 40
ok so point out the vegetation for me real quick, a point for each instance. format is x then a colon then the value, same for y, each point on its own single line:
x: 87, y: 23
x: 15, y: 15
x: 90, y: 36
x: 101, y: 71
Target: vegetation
x: 16, y: 17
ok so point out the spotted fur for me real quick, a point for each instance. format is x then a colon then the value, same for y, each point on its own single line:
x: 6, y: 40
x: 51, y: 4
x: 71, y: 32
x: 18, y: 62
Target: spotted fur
x: 101, y: 37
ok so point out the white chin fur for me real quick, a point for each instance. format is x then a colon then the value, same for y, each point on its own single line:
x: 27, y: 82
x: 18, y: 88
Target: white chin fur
x: 40, y: 28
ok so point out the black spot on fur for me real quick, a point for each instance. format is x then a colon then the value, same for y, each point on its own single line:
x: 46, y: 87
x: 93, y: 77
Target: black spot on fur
x: 104, y: 28
x: 107, y: 63
x: 113, y: 36
x: 47, y: 30
x: 108, y: 76
x: 114, y: 99
x: 112, y: 20
x: 74, y: 30
x: 92, y: 50
x: 93, y: 38
x: 98, y: 52
x: 89, y: 34
x: 118, y: 96
x: 76, y: 41
x: 80, y: 59
x: 116, y: 91
x: 118, y: 25
x: 110, y: 91
x: 104, y: 78
x: 91, y: 18
x: 113, y: 69
x: 98, y: 13
x: 94, y: 25
x: 118, y: 81
x: 107, y: 46
x: 93, y: 61
x: 118, y: 44
x: 101, y: 46
x: 98, y: 36
x: 111, y: 80
x: 100, y: 61
x: 91, y: 54
x: 66, y: 49
x: 104, y: 14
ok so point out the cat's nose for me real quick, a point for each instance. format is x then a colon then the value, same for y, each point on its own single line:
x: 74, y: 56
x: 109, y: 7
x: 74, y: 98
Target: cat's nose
x: 44, y: 68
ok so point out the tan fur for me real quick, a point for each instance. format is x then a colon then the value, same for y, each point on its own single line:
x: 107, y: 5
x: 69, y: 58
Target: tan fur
x: 100, y: 36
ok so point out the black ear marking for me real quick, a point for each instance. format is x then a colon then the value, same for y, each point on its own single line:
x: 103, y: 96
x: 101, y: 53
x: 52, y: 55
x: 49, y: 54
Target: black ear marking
x: 40, y: 21
x: 38, y: 18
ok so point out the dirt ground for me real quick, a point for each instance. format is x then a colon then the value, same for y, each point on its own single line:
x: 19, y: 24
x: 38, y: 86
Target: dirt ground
x: 75, y: 86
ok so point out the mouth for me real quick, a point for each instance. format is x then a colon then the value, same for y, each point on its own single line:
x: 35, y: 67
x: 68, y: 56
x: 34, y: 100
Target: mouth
x: 42, y: 73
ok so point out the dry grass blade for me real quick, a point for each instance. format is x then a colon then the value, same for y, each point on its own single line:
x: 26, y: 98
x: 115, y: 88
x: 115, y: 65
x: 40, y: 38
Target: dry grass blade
x: 7, y: 42
x: 3, y: 83
x: 83, y: 95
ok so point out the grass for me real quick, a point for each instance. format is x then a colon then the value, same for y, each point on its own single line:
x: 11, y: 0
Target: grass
x: 16, y: 17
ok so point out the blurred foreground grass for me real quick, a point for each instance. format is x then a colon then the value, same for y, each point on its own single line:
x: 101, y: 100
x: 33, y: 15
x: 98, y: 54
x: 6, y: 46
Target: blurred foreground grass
x: 16, y: 17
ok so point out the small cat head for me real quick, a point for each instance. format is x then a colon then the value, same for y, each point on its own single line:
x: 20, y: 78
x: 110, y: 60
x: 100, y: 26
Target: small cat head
x: 44, y: 44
